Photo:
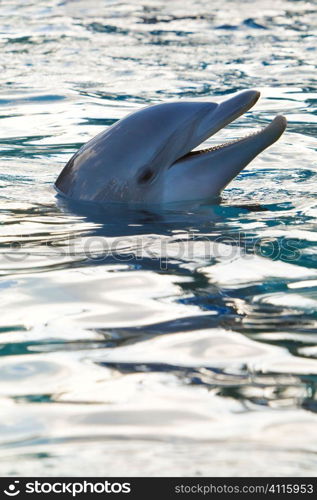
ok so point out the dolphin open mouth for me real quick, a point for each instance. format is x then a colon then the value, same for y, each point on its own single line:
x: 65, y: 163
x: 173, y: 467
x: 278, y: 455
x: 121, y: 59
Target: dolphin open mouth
x: 202, y: 174
x: 273, y: 130
x: 278, y: 126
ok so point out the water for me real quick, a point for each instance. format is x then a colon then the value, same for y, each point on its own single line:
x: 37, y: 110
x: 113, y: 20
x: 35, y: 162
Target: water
x: 177, y: 344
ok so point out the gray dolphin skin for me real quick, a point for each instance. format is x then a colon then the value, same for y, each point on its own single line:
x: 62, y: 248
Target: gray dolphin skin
x: 147, y: 158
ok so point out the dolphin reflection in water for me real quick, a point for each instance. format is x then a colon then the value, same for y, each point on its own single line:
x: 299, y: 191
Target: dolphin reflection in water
x: 147, y: 158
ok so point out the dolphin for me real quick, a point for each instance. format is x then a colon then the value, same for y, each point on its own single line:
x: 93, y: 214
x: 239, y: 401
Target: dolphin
x: 147, y: 157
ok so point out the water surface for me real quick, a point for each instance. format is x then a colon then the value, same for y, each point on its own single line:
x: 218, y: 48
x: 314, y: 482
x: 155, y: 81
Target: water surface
x: 180, y: 343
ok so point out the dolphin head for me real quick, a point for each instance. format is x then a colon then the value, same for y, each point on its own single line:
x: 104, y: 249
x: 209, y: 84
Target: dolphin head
x: 147, y: 156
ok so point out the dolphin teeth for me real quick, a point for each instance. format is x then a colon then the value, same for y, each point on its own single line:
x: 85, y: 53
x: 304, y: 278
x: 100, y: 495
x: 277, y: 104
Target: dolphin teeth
x: 222, y: 145
x: 279, y: 122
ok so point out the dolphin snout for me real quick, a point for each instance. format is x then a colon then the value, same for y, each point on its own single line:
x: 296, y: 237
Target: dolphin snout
x: 225, y: 112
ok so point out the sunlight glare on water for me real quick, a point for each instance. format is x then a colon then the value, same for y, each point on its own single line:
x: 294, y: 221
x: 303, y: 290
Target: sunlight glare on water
x: 180, y: 343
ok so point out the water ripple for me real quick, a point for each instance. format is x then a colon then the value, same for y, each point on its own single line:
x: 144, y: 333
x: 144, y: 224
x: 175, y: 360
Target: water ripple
x: 184, y: 338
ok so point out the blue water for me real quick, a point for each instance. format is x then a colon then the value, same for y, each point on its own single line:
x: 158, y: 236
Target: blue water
x: 177, y: 344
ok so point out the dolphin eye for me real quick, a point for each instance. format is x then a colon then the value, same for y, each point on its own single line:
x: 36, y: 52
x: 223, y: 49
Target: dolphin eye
x: 146, y: 176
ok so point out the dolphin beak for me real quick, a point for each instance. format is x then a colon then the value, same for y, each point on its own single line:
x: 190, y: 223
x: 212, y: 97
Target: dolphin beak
x: 238, y: 104
x: 211, y: 169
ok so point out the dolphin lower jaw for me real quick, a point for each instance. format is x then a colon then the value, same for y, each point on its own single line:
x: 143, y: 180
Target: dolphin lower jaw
x: 203, y: 174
